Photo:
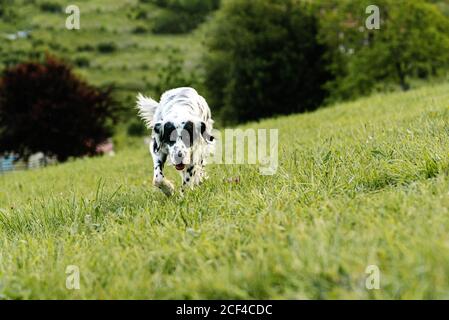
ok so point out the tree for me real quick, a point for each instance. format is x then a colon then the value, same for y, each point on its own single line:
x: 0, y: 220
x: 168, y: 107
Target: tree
x: 45, y: 107
x: 181, y: 16
x: 413, y: 41
x: 264, y: 60
x: 7, y: 11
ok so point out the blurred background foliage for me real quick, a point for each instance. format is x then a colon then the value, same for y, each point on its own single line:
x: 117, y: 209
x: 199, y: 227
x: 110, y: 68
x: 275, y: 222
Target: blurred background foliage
x: 46, y: 108
x: 264, y: 59
x: 250, y: 59
x: 181, y: 16
x: 413, y: 42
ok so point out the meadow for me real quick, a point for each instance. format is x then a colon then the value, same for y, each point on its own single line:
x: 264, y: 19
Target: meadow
x: 359, y: 183
x: 115, y: 38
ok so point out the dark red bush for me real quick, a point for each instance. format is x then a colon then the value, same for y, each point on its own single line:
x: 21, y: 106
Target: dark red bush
x: 46, y: 107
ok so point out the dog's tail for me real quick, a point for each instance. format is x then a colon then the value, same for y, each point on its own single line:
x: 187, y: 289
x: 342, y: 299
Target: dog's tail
x: 146, y: 109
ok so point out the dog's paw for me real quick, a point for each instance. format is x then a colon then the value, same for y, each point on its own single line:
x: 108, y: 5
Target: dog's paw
x: 167, y: 188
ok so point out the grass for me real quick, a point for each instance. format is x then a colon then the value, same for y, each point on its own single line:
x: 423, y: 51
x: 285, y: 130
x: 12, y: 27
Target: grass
x: 139, y: 56
x: 361, y: 183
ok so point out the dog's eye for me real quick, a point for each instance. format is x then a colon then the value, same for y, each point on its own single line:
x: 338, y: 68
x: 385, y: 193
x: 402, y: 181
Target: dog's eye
x: 169, y: 136
x: 188, y: 133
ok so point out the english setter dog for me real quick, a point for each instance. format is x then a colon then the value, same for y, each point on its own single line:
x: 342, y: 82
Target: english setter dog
x: 182, y: 132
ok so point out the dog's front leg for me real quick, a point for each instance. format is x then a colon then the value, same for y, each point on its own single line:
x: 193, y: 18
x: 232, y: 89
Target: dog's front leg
x: 187, y: 178
x: 159, y: 180
x: 192, y: 176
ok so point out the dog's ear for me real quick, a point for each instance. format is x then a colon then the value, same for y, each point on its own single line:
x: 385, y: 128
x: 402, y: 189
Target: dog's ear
x: 205, y: 134
x: 157, y: 131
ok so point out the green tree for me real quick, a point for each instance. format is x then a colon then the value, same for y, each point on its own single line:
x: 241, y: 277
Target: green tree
x: 413, y: 41
x: 7, y: 11
x: 264, y: 60
x: 181, y: 16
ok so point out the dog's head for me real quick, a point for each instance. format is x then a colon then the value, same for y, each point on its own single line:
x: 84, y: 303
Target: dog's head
x: 179, y: 139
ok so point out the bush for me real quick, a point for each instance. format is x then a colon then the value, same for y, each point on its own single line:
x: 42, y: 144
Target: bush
x: 45, y: 107
x: 264, y: 60
x: 169, y: 22
x: 173, y: 74
x: 51, y: 7
x: 136, y: 129
x: 86, y: 47
x: 191, y: 6
x: 181, y: 16
x: 8, y: 11
x: 139, y: 30
x: 107, y: 47
x: 82, y: 62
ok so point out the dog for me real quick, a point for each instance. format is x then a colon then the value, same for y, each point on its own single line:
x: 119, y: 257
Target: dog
x: 181, y: 125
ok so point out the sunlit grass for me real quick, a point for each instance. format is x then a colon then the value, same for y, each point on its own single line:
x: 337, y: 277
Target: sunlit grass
x: 358, y: 184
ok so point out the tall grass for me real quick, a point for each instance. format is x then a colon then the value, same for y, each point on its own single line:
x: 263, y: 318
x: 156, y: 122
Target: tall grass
x: 362, y: 183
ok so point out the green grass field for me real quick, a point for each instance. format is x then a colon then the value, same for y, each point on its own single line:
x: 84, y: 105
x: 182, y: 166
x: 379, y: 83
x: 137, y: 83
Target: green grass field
x: 138, y: 55
x: 361, y: 183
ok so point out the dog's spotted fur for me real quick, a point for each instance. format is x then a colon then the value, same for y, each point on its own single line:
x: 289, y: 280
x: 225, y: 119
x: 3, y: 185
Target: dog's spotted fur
x: 182, y: 133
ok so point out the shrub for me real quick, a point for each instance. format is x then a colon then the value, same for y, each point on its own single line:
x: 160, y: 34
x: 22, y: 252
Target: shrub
x: 141, y: 15
x: 181, y: 16
x: 8, y: 11
x: 139, y: 30
x: 173, y: 74
x: 107, y: 47
x: 86, y: 47
x: 169, y: 22
x: 191, y: 6
x: 264, y: 60
x: 136, y: 129
x: 51, y: 7
x: 45, y: 107
x: 82, y: 62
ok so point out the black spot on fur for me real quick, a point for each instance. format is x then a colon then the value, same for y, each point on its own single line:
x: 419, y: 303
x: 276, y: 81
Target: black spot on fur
x: 167, y: 138
x: 188, y: 131
x: 204, y: 134
x: 160, y: 165
x: 155, y: 146
x: 203, y: 128
x: 157, y: 128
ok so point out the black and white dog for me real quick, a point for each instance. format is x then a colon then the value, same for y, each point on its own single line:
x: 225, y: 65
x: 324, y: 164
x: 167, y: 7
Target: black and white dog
x: 182, y: 132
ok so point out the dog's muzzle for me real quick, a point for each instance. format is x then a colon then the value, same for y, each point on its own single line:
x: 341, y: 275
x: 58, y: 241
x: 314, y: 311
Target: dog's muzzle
x: 179, y: 161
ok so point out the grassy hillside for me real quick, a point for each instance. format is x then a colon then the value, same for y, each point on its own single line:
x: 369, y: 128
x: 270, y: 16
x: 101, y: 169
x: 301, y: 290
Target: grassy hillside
x: 124, y: 28
x: 359, y: 184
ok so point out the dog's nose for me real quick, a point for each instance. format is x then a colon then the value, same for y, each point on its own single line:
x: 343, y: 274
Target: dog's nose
x: 179, y: 154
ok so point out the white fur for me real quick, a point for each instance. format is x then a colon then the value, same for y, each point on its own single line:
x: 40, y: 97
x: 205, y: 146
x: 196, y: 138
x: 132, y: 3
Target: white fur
x: 180, y: 103
x: 147, y: 108
x: 177, y: 106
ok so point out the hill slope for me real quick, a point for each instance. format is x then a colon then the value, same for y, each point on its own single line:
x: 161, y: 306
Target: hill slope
x: 362, y: 183
x: 114, y: 39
